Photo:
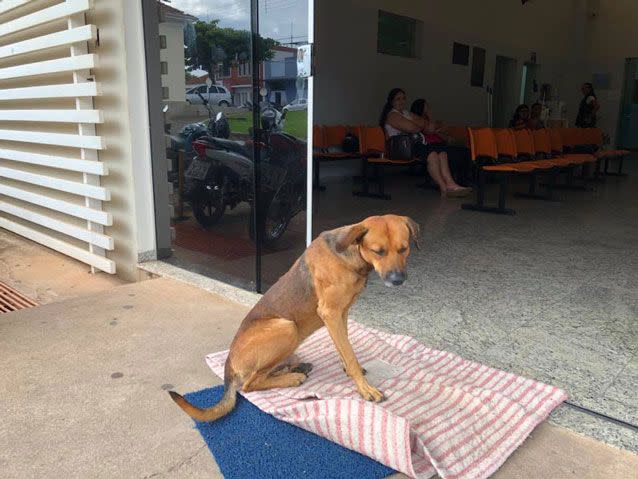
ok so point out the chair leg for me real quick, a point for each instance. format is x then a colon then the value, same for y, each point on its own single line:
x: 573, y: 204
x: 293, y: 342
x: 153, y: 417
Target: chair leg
x: 532, y: 195
x: 502, y: 196
x: 480, y: 197
x: 569, y: 185
x: 366, y: 184
x: 619, y: 172
x: 317, y: 181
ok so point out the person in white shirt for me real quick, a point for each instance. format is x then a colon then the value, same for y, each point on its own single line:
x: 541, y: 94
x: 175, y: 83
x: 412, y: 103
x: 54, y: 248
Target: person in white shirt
x: 396, y: 119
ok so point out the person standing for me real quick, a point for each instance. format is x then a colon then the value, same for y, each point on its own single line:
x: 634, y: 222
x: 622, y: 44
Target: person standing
x: 588, y: 109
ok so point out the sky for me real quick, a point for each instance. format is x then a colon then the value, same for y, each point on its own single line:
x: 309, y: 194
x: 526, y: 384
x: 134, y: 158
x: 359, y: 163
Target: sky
x: 275, y: 16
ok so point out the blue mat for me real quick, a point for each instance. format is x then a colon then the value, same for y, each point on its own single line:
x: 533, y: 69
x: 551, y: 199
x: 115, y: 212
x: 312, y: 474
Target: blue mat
x: 248, y: 443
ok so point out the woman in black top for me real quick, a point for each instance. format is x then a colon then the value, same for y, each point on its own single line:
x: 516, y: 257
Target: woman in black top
x: 588, y: 107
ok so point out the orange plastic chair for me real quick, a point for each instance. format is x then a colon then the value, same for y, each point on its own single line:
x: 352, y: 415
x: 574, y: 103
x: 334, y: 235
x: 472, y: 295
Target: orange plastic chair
x: 371, y: 141
x: 558, y: 148
x: 459, y: 133
x: 526, y: 151
x: 483, y: 148
x: 318, y: 137
x: 543, y: 147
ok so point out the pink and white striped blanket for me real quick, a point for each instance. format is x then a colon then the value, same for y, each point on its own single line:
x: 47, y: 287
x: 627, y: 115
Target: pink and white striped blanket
x: 443, y: 414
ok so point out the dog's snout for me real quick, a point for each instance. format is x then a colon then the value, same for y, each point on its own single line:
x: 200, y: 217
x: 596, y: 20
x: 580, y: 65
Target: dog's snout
x: 395, y: 278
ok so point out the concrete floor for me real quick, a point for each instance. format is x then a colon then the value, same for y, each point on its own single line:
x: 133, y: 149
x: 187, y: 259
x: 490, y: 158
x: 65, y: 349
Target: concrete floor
x: 85, y: 385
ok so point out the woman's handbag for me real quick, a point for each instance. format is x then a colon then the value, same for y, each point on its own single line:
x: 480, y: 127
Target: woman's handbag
x: 400, y: 147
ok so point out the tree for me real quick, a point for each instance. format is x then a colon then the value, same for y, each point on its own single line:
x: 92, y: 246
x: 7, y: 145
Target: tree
x: 214, y: 45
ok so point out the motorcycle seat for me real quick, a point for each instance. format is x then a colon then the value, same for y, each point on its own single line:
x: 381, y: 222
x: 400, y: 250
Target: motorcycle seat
x: 239, y: 147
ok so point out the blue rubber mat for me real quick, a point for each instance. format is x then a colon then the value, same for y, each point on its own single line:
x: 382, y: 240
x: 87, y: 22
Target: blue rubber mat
x: 248, y: 443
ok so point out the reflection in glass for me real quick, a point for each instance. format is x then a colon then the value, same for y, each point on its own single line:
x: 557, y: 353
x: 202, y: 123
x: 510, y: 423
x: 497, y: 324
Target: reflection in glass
x: 207, y: 72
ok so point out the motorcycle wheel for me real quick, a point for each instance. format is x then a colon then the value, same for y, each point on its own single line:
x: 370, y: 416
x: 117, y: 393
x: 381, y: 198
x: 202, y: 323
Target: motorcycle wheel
x: 209, y: 207
x: 274, y: 227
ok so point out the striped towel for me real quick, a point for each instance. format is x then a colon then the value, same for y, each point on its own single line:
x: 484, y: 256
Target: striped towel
x: 443, y: 414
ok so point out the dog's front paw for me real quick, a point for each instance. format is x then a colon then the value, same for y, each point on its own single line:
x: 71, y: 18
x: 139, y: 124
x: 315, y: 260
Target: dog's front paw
x: 370, y: 393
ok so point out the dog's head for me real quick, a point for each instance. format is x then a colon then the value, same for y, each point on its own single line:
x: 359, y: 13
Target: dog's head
x: 384, y: 243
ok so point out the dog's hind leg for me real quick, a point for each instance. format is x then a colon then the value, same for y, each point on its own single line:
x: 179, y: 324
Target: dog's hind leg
x: 261, y: 349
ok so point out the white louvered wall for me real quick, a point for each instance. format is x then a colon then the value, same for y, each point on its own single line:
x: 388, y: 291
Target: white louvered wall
x: 49, y: 166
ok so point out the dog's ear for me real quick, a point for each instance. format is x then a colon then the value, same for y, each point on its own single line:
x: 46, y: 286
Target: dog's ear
x: 349, y: 236
x: 415, y: 230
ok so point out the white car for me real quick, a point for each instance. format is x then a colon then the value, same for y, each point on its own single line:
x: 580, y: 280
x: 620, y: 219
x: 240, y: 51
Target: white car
x: 217, y: 95
x: 298, y: 104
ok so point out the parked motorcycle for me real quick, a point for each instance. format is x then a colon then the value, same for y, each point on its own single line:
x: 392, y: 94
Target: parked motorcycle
x: 216, y: 125
x: 221, y: 176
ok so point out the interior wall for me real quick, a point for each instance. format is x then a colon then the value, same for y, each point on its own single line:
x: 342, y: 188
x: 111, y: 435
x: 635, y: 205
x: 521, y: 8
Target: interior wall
x: 611, y: 38
x: 352, y: 79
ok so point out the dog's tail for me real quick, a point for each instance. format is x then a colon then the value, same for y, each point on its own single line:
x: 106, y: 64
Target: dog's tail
x: 223, y: 407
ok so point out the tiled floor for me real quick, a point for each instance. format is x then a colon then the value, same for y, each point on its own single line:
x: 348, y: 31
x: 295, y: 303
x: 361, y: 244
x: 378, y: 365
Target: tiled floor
x: 551, y: 293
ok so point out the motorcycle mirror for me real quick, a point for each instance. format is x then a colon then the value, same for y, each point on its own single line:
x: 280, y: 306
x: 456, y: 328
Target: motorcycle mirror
x: 218, y: 116
x: 263, y: 92
x: 204, y: 100
x: 165, y: 109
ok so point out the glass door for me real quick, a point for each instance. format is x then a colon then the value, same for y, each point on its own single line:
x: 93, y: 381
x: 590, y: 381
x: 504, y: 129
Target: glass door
x: 235, y: 113
x: 282, y: 169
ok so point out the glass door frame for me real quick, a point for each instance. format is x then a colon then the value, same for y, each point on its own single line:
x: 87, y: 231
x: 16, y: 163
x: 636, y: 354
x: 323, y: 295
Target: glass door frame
x: 150, y: 20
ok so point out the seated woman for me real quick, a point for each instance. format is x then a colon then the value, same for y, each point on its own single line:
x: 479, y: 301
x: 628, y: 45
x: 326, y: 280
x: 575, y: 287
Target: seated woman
x: 396, y: 120
x: 520, y: 118
x: 535, y: 122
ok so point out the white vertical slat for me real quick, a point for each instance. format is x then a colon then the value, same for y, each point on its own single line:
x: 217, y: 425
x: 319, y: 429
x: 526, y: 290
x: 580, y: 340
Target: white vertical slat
x: 86, y: 103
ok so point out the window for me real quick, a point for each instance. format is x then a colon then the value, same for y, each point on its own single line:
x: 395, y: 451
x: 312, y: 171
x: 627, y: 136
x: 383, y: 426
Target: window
x: 461, y: 54
x: 164, y: 68
x: 225, y: 70
x: 398, y: 35
x: 202, y: 89
x: 165, y: 93
x: 162, y: 42
x: 244, y: 69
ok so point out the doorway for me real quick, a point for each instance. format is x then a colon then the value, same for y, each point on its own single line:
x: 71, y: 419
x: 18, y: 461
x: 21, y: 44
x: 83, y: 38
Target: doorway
x: 628, y: 122
x: 529, y: 85
x: 505, y: 81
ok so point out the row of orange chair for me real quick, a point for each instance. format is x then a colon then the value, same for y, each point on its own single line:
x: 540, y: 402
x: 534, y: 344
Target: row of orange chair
x: 327, y: 141
x: 502, y: 152
x: 496, y: 151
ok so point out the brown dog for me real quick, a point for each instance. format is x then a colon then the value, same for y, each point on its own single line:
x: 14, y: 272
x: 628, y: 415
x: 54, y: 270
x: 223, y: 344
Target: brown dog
x: 317, y: 291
